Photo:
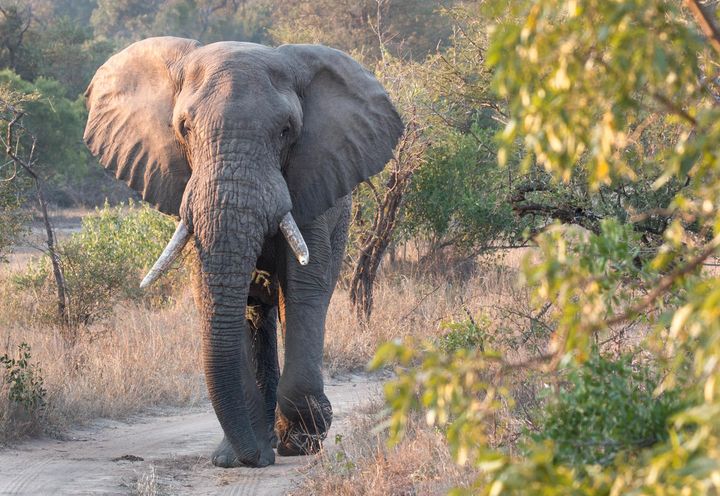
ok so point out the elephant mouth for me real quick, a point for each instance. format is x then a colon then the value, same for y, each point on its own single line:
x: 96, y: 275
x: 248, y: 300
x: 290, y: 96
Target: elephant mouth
x: 182, y: 235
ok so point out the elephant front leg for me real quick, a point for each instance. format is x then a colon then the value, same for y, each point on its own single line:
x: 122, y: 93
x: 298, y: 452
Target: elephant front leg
x: 304, y: 413
x: 262, y: 320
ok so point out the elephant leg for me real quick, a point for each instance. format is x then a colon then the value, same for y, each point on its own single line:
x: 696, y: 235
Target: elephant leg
x: 262, y: 326
x: 304, y: 413
x: 267, y: 368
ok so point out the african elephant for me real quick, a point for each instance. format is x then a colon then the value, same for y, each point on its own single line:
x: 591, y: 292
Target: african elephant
x: 256, y: 150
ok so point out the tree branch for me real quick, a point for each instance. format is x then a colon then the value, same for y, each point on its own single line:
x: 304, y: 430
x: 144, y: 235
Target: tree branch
x: 665, y: 283
x: 705, y: 23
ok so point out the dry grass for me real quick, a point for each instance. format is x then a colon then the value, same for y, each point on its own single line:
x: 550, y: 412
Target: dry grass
x: 134, y: 360
x: 362, y: 464
x: 417, y: 305
x: 143, y: 357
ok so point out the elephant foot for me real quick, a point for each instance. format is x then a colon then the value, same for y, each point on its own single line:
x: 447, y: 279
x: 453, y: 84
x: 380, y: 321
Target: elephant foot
x: 224, y: 456
x: 303, y: 437
x: 298, y: 443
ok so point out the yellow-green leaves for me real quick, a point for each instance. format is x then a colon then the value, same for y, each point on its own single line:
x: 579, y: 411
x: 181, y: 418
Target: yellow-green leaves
x: 580, y: 76
x: 616, y: 98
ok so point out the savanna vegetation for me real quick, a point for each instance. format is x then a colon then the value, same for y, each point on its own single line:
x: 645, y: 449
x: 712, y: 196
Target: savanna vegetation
x: 536, y: 265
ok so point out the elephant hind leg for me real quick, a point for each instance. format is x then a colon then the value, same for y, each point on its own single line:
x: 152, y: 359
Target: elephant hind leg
x: 265, y: 357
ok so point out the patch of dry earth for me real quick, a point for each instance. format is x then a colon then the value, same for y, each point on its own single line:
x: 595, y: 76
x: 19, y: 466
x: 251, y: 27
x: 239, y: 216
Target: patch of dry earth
x: 168, y: 453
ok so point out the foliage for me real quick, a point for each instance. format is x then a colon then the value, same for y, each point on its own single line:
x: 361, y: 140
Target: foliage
x: 14, y: 184
x: 606, y: 407
x: 56, y: 122
x: 453, y: 388
x: 14, y: 53
x: 409, y: 29
x: 459, y: 197
x: 104, y: 262
x: 466, y: 334
x: 585, y: 82
x: 68, y: 53
x: 13, y: 220
x: 24, y: 379
x: 205, y: 20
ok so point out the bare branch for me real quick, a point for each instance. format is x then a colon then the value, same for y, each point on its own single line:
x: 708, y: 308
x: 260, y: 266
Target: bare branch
x: 705, y: 23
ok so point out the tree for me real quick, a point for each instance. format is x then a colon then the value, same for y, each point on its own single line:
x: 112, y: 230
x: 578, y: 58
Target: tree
x: 67, y: 53
x: 407, y: 29
x: 127, y: 20
x: 14, y: 24
x: 373, y: 242
x: 215, y: 20
x: 58, y: 124
x: 459, y: 198
x: 581, y: 80
x: 24, y: 158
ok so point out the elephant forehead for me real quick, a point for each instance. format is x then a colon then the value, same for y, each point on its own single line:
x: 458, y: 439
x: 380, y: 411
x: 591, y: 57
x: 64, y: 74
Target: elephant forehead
x: 245, y: 62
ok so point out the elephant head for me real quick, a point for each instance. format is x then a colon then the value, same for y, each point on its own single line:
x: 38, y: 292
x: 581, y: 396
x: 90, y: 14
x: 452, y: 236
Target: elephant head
x: 237, y: 140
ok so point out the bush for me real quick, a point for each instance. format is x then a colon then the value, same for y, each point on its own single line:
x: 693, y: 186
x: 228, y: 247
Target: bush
x: 608, y: 407
x: 464, y: 334
x: 460, y: 196
x: 104, y: 263
x: 23, y: 384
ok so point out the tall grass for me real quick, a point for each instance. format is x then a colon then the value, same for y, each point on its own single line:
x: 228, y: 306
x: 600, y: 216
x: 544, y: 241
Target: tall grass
x: 361, y: 463
x: 143, y: 356
x: 414, y: 303
x: 129, y: 362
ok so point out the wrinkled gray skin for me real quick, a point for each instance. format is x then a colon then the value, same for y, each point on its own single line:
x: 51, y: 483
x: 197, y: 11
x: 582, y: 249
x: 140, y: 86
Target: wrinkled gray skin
x: 230, y: 137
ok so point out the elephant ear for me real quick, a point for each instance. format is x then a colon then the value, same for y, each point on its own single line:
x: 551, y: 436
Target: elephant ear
x: 130, y: 104
x: 349, y: 129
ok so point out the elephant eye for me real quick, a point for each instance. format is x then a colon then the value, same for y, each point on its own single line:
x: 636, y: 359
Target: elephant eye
x: 285, y: 131
x: 184, y: 128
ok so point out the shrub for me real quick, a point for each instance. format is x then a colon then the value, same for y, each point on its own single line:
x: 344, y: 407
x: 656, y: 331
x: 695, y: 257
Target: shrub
x: 460, y: 195
x: 23, y: 384
x: 608, y: 407
x: 464, y: 334
x: 104, y: 262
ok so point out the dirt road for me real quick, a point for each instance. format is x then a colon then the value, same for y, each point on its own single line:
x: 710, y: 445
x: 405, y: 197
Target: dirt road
x: 161, y: 454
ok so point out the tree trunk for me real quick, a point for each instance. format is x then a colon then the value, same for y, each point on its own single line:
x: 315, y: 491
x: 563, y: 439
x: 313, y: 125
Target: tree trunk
x: 374, y: 242
x: 28, y: 165
x: 54, y: 257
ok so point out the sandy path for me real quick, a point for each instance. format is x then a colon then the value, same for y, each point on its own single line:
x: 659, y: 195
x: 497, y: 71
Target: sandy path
x: 174, y: 446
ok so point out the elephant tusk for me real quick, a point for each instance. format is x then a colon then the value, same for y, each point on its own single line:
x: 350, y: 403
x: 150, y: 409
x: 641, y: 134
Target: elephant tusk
x: 168, y: 256
x: 292, y: 234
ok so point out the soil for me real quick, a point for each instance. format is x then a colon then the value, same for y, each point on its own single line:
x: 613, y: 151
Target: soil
x: 166, y: 453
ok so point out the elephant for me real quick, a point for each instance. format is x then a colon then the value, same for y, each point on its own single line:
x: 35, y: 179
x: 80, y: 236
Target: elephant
x: 256, y: 150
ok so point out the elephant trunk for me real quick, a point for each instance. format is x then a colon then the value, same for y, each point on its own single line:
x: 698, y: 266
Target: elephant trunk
x: 229, y: 233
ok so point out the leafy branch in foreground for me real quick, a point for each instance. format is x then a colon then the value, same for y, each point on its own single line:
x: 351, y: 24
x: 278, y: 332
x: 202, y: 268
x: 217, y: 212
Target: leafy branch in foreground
x: 581, y: 78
